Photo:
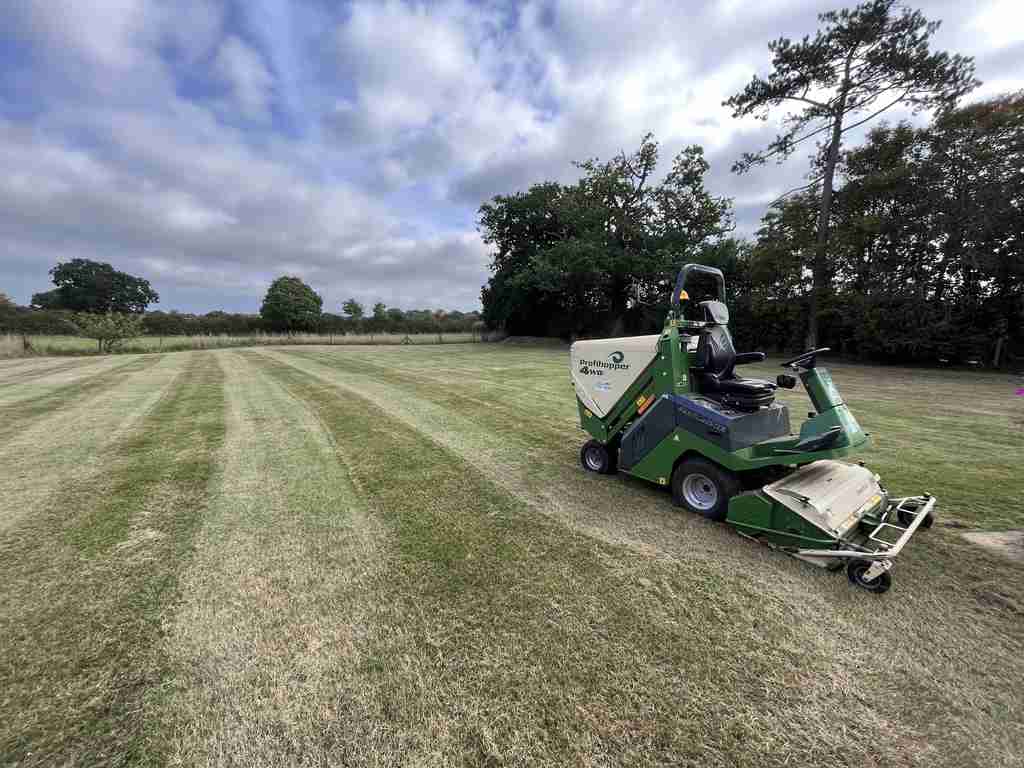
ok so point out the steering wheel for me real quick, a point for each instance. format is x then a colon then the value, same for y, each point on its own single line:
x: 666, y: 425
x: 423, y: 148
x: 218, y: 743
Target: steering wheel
x: 805, y: 360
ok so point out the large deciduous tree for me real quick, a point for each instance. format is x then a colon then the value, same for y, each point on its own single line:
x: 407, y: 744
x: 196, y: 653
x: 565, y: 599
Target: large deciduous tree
x: 585, y: 257
x: 291, y: 305
x: 46, y: 300
x: 635, y: 231
x: 91, y: 286
x: 519, y: 227
x: 863, y: 62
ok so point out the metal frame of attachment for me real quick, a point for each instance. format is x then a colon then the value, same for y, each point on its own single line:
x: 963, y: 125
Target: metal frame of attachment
x: 886, y: 551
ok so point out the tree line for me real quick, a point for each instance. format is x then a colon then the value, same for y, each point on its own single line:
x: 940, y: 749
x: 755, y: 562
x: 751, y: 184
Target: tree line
x: 95, y: 300
x: 926, y: 252
x: 907, y: 248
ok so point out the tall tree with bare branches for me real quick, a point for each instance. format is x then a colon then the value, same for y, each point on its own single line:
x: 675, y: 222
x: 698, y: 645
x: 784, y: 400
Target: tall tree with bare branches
x: 862, y: 62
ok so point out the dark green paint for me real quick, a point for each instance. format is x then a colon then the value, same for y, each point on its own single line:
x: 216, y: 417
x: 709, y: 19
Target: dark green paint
x: 755, y: 514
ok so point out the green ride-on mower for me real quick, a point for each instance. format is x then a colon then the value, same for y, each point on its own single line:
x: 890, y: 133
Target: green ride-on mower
x: 669, y: 408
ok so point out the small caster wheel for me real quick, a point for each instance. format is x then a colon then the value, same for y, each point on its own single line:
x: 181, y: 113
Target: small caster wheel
x: 596, y: 457
x: 906, y: 517
x: 855, y: 573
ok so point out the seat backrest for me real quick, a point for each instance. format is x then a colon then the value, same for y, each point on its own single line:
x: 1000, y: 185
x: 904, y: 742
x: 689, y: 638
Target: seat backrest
x: 715, y: 351
x: 714, y: 312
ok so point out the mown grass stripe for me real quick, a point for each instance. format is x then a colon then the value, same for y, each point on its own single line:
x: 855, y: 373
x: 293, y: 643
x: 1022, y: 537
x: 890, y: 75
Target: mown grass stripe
x: 544, y: 471
x: 14, y: 416
x: 37, y: 369
x: 52, y: 374
x: 283, y: 573
x: 85, y: 579
x: 501, y: 412
x: 940, y: 579
x: 50, y: 452
x: 530, y: 644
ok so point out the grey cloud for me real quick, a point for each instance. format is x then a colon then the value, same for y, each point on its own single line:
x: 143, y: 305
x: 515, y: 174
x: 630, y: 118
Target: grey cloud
x: 349, y: 125
x: 1008, y: 61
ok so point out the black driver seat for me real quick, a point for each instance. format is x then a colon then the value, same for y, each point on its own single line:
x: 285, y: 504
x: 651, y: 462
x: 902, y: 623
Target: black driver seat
x: 716, y: 359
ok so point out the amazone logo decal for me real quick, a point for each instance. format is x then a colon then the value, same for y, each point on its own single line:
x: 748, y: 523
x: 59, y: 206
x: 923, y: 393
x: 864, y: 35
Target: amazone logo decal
x: 598, y: 367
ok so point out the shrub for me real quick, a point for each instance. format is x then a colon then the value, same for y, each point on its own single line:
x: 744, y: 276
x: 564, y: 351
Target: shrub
x: 110, y: 329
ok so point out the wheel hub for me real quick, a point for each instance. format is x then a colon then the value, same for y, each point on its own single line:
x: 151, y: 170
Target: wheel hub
x: 876, y: 569
x: 699, y: 491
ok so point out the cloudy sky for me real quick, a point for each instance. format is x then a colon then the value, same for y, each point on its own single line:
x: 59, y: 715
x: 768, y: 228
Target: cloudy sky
x: 211, y: 145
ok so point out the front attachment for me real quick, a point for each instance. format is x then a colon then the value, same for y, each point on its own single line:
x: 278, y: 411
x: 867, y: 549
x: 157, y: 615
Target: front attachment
x: 834, y: 514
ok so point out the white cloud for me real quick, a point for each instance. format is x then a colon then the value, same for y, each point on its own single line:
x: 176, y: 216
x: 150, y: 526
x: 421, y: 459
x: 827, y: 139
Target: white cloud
x: 242, y: 69
x: 111, y: 49
x: 1000, y: 23
x: 112, y: 33
x: 409, y: 63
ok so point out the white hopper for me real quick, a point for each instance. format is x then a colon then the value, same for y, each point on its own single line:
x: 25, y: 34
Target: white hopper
x: 603, y: 369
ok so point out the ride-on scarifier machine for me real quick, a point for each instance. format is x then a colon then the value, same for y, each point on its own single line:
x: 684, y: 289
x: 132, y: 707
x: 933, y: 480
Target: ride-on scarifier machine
x: 669, y: 408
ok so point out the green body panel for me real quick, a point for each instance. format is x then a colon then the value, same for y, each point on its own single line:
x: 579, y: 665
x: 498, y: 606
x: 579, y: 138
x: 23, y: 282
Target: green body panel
x: 821, y: 389
x: 756, y: 514
x: 674, y: 348
x: 761, y: 517
x: 659, y: 463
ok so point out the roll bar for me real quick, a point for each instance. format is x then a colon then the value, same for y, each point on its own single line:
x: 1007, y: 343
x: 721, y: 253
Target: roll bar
x: 690, y: 269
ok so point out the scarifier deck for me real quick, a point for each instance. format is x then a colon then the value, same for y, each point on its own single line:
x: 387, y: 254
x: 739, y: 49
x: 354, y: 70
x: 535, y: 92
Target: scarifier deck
x: 831, y: 495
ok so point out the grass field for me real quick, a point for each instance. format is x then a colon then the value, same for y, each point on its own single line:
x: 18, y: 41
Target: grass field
x: 390, y: 556
x: 12, y: 345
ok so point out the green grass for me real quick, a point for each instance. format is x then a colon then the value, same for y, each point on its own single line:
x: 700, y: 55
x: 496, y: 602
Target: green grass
x: 87, y: 575
x: 16, y: 415
x: 390, y: 556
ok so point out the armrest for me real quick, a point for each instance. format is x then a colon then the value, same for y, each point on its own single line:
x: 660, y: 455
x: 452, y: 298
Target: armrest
x: 749, y: 357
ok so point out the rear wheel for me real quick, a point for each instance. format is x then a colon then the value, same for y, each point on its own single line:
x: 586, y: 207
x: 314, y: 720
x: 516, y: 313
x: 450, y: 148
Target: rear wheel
x: 704, y: 487
x: 855, y: 573
x: 597, y: 457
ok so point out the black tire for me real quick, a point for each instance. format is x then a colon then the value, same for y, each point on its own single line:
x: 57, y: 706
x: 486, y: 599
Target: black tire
x: 855, y: 573
x: 906, y: 518
x: 597, y: 457
x: 704, y: 488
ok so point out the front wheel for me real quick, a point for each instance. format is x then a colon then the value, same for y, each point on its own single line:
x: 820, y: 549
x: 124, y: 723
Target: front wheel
x: 704, y: 487
x: 596, y: 457
x: 856, y: 570
x: 906, y: 517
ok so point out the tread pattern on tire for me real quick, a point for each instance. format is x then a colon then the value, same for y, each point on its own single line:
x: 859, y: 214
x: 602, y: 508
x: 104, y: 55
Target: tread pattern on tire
x: 609, y: 457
